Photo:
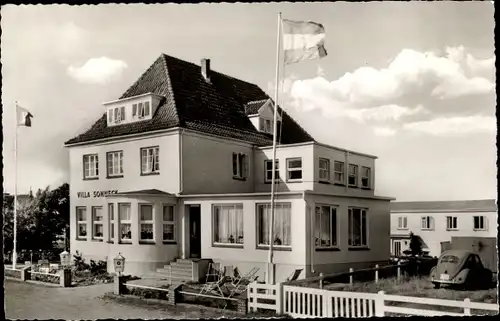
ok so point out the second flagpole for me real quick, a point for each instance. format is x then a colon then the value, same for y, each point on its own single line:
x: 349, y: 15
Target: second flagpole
x: 14, y: 251
x: 271, y: 273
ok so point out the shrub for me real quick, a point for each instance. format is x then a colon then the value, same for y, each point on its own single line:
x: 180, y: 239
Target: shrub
x: 79, y: 262
x: 98, y: 268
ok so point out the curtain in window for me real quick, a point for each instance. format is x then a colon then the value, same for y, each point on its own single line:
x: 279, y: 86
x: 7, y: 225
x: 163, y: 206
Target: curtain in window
x: 228, y: 223
x: 282, y: 224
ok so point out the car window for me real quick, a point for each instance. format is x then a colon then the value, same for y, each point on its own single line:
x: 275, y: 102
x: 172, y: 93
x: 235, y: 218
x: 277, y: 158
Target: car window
x: 449, y: 259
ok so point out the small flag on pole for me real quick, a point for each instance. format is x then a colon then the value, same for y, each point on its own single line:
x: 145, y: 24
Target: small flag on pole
x: 23, y: 116
x: 303, y: 40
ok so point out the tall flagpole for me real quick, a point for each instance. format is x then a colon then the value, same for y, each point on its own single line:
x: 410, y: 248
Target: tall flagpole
x: 14, y: 254
x: 271, y: 269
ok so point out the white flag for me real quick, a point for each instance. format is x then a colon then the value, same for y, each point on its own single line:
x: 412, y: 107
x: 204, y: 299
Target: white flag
x: 303, y: 40
x: 23, y: 116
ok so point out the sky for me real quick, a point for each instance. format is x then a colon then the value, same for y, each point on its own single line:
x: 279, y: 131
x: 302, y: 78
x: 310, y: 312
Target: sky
x: 410, y: 82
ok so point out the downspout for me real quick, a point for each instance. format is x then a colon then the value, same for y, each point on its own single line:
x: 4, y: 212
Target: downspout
x: 308, y: 209
x: 181, y: 189
x: 181, y: 182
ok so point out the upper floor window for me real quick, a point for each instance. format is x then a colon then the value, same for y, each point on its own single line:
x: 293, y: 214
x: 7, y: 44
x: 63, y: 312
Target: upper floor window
x: 365, y: 177
x: 324, y: 170
x: 90, y: 166
x: 240, y: 165
x: 326, y: 226
x: 479, y: 223
x: 141, y: 110
x: 451, y: 222
x: 266, y: 125
x: 338, y: 172
x: 402, y: 222
x: 150, y: 160
x: 116, y: 115
x: 358, y: 228
x: 269, y: 170
x: 427, y: 223
x: 294, y: 169
x: 115, y: 163
x: 353, y: 175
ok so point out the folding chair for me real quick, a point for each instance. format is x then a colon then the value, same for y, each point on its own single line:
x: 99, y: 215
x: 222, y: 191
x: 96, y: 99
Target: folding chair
x: 218, y: 287
x: 295, y: 275
x: 214, y: 273
x: 240, y: 283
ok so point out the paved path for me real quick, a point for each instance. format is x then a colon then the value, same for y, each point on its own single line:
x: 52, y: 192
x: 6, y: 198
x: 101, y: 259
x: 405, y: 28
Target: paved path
x: 30, y: 301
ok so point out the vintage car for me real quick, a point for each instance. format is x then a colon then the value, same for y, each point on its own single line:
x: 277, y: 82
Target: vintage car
x: 460, y: 268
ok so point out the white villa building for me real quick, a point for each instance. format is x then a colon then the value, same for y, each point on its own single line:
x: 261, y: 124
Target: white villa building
x: 179, y: 166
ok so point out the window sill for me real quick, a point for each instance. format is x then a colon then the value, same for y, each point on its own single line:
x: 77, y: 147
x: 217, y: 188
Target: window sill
x: 81, y: 239
x: 427, y: 229
x: 294, y: 180
x: 152, y: 173
x: 228, y: 246
x: 327, y: 249
x: 90, y: 178
x: 170, y: 242
x: 275, y: 248
x: 236, y: 178
x: 110, y: 242
x: 452, y: 229
x: 148, y: 242
x: 125, y: 242
x: 402, y: 228
x: 114, y: 176
x: 479, y: 229
x: 361, y: 248
x: 96, y: 240
x: 338, y: 184
x: 353, y: 186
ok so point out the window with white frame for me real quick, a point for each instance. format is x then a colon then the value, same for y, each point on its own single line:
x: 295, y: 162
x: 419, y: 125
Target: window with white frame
x: 240, y: 165
x: 116, y: 115
x: 146, y: 222
x: 479, y: 223
x: 338, y: 172
x: 427, y: 222
x: 358, y: 228
x: 90, y: 166
x: 269, y: 170
x: 150, y: 160
x: 97, y: 223
x: 125, y: 218
x: 402, y: 223
x: 451, y: 223
x: 111, y: 217
x: 294, y: 169
x: 282, y: 236
x: 81, y: 222
x: 326, y: 228
x: 365, y: 177
x: 168, y: 223
x: 141, y: 109
x: 228, y: 224
x: 324, y: 170
x: 115, y: 163
x: 353, y: 175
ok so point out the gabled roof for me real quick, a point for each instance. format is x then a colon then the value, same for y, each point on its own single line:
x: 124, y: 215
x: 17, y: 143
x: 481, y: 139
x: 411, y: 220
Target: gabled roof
x: 252, y: 108
x: 217, y: 107
x: 488, y: 205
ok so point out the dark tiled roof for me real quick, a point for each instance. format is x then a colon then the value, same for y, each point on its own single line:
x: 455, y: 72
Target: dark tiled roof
x: 462, y: 206
x: 253, y: 107
x: 144, y: 192
x: 217, y: 107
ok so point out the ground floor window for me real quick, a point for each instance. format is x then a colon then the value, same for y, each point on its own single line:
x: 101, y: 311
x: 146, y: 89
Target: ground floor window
x: 125, y: 222
x: 282, y: 224
x: 326, y: 226
x: 111, y: 216
x: 228, y: 224
x: 146, y: 222
x: 357, y: 228
x: 168, y: 223
x: 81, y: 222
x: 97, y: 223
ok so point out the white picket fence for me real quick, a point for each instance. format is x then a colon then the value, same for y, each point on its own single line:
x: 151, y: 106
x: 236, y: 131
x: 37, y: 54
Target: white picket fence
x: 302, y: 302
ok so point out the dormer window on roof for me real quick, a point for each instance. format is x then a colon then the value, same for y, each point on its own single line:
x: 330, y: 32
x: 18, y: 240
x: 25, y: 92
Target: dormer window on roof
x: 261, y: 114
x: 132, y: 109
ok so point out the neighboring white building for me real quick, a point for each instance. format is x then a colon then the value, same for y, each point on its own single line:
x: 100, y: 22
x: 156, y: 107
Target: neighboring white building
x: 437, y: 222
x: 180, y: 167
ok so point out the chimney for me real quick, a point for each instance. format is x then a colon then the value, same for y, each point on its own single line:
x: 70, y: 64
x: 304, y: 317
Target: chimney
x: 205, y: 69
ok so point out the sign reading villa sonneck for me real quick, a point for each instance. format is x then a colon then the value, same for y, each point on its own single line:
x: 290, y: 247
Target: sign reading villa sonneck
x: 95, y: 194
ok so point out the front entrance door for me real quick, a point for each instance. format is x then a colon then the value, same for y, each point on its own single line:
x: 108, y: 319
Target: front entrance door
x: 194, y: 232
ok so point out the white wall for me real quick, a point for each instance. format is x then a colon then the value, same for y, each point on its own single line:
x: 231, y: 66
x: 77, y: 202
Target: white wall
x: 439, y: 233
x: 207, y: 165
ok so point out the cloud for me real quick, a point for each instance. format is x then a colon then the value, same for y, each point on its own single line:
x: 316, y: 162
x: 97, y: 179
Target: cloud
x: 382, y: 113
x: 384, y: 131
x: 448, y: 76
x: 97, y: 71
x: 454, y: 125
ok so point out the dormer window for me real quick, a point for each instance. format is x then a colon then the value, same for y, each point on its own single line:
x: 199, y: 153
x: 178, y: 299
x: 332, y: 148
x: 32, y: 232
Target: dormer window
x: 266, y: 125
x: 116, y: 115
x: 141, y: 110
